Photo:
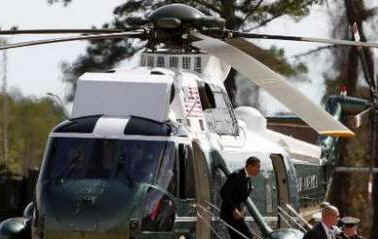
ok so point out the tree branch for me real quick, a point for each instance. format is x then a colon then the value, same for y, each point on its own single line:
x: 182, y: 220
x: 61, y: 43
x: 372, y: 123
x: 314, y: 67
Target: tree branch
x: 263, y: 23
x: 209, y: 6
x: 251, y: 11
x: 243, y: 6
x: 316, y: 50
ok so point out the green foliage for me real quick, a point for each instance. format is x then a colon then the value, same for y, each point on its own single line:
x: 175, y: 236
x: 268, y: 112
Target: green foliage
x: 284, y: 67
x: 297, y: 9
x: 29, y: 122
x: 239, y: 15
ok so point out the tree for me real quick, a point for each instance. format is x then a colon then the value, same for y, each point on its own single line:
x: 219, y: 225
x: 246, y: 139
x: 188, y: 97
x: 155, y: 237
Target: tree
x: 30, y: 121
x: 244, y: 15
x: 349, y: 190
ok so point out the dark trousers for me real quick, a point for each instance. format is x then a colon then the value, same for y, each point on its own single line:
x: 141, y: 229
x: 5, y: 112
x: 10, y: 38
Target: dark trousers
x: 241, y: 226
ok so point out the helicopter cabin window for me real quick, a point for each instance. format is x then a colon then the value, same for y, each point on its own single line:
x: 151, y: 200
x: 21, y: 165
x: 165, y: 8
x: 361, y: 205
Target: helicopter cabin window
x: 198, y: 64
x: 173, y: 61
x: 223, y: 118
x: 202, y: 125
x: 186, y: 61
x: 143, y: 60
x: 217, y: 110
x: 160, y: 61
x: 150, y: 61
x: 206, y: 96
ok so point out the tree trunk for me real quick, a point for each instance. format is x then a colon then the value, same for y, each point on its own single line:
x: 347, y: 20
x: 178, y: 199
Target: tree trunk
x: 228, y: 13
x: 374, y: 229
x: 349, y: 190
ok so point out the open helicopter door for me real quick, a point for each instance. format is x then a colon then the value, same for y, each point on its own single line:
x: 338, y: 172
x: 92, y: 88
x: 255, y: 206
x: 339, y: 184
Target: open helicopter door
x: 202, y: 186
x: 282, y: 187
x: 159, y: 209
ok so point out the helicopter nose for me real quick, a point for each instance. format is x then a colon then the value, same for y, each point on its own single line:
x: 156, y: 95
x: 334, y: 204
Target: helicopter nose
x: 86, y: 207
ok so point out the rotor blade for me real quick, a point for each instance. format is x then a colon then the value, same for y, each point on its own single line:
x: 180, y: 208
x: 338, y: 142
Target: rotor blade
x: 275, y: 84
x: 64, y: 31
x: 304, y: 39
x: 66, y: 39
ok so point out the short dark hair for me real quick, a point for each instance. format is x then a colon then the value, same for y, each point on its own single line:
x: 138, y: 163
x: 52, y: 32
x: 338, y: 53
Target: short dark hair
x: 252, y: 161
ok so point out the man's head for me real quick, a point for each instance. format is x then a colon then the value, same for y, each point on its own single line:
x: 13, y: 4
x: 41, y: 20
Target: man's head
x: 252, y: 165
x: 350, y: 225
x: 330, y: 215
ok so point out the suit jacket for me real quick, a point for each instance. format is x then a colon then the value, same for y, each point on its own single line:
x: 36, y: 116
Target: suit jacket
x: 235, y: 190
x: 317, y: 232
x: 343, y: 236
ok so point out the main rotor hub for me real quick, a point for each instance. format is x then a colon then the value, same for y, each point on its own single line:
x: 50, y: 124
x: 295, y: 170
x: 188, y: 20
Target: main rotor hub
x: 172, y: 23
x: 179, y: 15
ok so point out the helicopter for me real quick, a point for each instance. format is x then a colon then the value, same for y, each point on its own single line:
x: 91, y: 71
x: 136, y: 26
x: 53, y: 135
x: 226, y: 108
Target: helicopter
x: 146, y: 150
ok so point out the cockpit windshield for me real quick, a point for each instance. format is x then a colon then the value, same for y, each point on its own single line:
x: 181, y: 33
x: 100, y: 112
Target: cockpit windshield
x: 132, y: 161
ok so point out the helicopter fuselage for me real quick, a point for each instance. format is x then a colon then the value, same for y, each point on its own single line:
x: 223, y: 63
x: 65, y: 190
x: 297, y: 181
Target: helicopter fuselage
x: 146, y: 150
x: 145, y: 153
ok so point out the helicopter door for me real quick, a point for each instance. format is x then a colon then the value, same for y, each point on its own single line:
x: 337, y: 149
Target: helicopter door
x: 160, y: 204
x: 282, y: 185
x: 202, y: 186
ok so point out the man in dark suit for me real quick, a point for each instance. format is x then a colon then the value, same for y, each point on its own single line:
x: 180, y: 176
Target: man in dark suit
x: 234, y: 192
x: 325, y: 228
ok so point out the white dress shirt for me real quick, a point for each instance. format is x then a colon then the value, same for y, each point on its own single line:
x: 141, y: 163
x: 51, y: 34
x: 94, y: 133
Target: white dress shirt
x: 329, y: 233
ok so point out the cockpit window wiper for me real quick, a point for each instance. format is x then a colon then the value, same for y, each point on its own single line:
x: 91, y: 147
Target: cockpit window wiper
x: 67, y: 170
x: 120, y: 171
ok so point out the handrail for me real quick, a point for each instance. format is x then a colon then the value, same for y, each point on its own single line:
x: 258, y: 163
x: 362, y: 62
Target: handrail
x: 283, y: 212
x: 213, y: 206
x: 229, y: 226
x: 292, y: 210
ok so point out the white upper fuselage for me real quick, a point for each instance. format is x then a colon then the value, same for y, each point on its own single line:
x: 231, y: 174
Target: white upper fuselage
x: 177, y: 95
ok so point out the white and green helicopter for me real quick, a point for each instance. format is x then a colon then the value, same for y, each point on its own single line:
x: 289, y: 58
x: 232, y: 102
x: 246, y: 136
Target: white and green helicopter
x: 145, y: 151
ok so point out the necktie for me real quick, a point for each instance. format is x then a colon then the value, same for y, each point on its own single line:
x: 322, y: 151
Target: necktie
x: 331, y: 235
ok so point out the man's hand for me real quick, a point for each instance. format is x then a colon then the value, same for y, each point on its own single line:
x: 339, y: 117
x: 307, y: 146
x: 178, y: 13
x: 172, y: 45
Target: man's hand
x: 238, y: 215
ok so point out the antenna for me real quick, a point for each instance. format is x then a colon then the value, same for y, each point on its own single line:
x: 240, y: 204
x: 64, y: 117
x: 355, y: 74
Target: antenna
x: 60, y: 102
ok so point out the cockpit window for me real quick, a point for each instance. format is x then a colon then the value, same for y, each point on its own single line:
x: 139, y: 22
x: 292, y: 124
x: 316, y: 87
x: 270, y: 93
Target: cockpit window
x: 131, y: 161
